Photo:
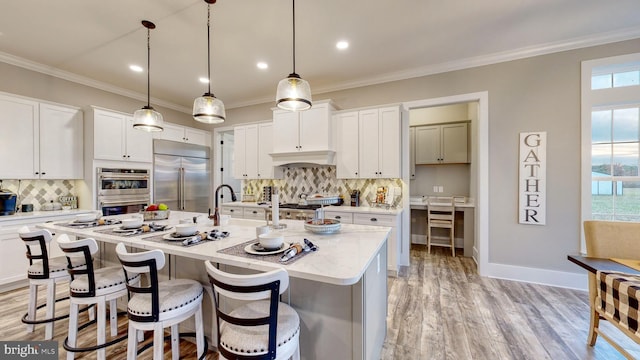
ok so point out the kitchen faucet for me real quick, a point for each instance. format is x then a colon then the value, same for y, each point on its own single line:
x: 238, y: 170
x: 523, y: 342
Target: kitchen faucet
x: 216, y: 212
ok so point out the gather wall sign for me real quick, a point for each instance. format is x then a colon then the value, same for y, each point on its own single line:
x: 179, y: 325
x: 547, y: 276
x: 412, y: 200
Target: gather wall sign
x: 533, y: 178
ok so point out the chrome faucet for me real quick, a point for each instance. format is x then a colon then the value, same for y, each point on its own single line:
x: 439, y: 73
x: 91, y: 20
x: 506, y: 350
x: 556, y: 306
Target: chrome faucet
x: 216, y: 212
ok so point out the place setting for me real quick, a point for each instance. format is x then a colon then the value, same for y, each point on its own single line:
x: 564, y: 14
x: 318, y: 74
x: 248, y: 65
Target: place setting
x: 271, y: 246
x: 83, y: 221
x: 134, y: 226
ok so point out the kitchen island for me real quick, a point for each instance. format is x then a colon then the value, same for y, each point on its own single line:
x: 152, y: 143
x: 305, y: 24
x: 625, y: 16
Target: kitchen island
x: 339, y: 291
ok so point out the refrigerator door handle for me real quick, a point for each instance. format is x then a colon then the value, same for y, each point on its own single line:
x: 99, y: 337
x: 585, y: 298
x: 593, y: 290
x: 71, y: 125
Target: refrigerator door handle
x: 181, y: 190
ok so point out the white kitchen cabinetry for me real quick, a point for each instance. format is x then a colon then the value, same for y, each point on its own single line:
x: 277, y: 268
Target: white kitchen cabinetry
x: 376, y: 151
x: 235, y: 211
x: 393, y: 244
x: 306, y: 131
x: 441, y: 144
x: 114, y: 138
x: 44, y: 140
x: 253, y: 213
x: 343, y: 217
x: 186, y: 134
x: 252, y: 146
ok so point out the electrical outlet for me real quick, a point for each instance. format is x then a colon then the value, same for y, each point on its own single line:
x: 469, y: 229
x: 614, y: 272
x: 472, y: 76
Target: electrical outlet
x: 435, y: 188
x: 440, y: 188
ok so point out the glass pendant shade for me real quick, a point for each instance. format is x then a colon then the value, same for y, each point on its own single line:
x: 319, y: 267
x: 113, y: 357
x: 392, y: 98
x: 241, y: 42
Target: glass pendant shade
x: 208, y: 109
x: 148, y: 119
x: 293, y: 94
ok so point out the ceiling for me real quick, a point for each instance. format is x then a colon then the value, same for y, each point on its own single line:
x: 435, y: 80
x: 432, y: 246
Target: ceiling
x: 94, y: 42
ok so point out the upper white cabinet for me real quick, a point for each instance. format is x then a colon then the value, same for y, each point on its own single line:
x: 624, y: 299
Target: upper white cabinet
x: 375, y: 151
x: 252, y: 146
x: 114, y: 138
x: 44, y: 140
x: 441, y: 144
x: 186, y: 134
x: 306, y: 131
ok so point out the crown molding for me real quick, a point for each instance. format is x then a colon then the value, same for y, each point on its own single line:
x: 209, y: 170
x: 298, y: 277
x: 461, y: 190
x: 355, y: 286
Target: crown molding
x: 461, y: 64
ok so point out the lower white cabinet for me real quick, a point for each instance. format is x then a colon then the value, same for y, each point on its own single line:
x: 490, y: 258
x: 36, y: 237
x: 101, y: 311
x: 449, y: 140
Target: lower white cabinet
x: 235, y: 211
x: 343, y: 217
x: 253, y: 213
x: 393, y: 244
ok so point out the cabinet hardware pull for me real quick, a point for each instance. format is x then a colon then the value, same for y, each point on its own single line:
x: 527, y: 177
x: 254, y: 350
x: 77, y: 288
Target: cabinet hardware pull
x: 338, y: 217
x: 44, y: 173
x: 37, y: 173
x: 374, y: 219
x: 255, y: 212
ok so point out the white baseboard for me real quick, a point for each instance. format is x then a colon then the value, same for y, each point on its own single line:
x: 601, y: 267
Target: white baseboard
x: 539, y: 276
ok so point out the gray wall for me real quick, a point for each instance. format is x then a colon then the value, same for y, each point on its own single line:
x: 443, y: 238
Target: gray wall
x: 535, y: 94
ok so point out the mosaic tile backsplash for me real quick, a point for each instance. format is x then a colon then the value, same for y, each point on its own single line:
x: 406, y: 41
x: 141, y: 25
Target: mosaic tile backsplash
x: 39, y: 192
x: 322, y: 179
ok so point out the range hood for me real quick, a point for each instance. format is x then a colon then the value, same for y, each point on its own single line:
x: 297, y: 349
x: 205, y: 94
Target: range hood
x: 301, y: 158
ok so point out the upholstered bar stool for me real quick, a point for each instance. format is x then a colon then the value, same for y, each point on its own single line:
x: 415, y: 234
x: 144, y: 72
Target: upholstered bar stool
x: 92, y: 286
x: 43, y: 271
x: 161, y: 304
x: 259, y: 329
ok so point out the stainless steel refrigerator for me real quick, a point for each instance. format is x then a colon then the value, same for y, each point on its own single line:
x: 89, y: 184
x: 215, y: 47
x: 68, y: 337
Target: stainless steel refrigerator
x: 181, y: 176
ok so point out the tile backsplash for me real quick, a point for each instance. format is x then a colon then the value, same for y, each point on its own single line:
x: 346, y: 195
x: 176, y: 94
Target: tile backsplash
x: 322, y: 179
x: 39, y: 192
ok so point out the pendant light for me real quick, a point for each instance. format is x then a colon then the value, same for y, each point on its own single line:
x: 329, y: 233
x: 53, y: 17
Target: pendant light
x: 147, y: 118
x: 207, y: 108
x: 294, y: 93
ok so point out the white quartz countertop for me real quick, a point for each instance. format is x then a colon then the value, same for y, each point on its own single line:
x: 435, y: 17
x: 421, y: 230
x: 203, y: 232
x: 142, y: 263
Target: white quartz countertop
x: 351, y: 209
x: 421, y: 201
x: 29, y: 217
x: 341, y: 259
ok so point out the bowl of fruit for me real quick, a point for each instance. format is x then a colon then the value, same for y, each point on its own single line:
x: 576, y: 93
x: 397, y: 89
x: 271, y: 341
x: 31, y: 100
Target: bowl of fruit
x: 156, y: 212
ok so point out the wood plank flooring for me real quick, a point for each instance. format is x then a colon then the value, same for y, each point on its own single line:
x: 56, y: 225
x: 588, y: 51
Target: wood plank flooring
x: 439, y: 309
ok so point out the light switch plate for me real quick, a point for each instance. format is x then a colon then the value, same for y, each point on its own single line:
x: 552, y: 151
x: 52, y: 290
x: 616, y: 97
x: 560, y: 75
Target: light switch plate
x: 435, y: 188
x: 440, y: 188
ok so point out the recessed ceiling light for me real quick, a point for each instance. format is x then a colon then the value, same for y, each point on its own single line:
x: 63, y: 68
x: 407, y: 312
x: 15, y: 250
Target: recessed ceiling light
x: 342, y: 45
x: 136, y: 68
x: 262, y: 65
x: 204, y: 80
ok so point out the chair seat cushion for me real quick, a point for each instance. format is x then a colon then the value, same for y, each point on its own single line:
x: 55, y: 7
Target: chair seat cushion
x: 618, y: 299
x: 173, y: 295
x: 108, y: 280
x: 255, y: 339
x: 57, y: 267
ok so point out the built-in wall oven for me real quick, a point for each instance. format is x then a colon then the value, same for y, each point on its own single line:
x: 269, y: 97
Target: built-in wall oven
x: 123, y: 191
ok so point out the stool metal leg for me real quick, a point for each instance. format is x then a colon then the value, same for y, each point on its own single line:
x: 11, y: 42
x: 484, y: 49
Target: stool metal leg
x: 33, y: 300
x: 51, y: 309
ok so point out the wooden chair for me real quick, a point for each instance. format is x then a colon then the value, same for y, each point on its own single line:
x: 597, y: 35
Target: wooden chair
x: 609, y: 239
x: 259, y: 329
x: 441, y: 214
x: 92, y: 286
x: 160, y: 304
x: 43, y: 271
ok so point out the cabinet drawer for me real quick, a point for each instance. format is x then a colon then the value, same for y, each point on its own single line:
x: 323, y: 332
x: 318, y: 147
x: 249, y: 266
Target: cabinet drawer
x: 343, y: 217
x: 234, y: 211
x: 252, y: 213
x: 374, y: 219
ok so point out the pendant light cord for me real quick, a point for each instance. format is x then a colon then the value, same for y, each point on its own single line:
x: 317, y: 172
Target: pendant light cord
x: 209, y: 47
x: 148, y: 67
x: 294, y: 34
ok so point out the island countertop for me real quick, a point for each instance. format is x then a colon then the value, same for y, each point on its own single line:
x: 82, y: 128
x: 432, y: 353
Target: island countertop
x: 341, y: 259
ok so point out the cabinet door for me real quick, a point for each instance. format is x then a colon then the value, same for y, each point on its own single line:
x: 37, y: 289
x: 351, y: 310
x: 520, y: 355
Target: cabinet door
x: 265, y: 147
x: 61, y: 142
x: 285, y: 132
x: 239, y: 152
x: 315, y: 128
x: 14, y: 264
x: 428, y: 144
x: 18, y: 138
x: 454, y: 143
x: 412, y: 152
x: 368, y: 130
x: 108, y: 135
x: 389, y: 163
x: 392, y: 242
x: 347, y: 145
x: 251, y: 152
x: 139, y: 143
x: 173, y: 133
x: 196, y: 136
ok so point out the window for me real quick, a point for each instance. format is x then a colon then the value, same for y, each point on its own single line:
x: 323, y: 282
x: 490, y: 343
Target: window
x: 611, y: 138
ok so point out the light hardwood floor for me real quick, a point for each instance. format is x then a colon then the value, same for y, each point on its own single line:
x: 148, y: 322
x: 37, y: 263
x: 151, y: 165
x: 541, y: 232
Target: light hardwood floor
x: 440, y: 309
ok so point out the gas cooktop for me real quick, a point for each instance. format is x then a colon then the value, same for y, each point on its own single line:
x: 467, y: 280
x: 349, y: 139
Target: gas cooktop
x: 299, y: 206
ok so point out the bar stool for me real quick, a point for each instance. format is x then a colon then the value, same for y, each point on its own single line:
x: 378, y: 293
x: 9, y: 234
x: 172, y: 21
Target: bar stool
x: 43, y: 271
x: 92, y: 286
x: 259, y: 329
x: 161, y: 304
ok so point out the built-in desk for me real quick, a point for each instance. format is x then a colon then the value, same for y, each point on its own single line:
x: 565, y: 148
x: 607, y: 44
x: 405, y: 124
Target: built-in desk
x: 464, y: 225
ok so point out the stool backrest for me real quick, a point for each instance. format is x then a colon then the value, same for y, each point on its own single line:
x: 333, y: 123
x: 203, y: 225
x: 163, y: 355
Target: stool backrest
x: 36, y: 242
x: 80, y: 250
x: 440, y: 208
x: 268, y: 285
x: 147, y: 262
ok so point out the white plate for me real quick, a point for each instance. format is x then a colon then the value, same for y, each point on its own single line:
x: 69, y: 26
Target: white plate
x: 250, y: 250
x: 170, y: 237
